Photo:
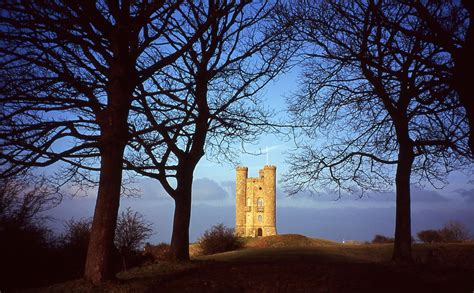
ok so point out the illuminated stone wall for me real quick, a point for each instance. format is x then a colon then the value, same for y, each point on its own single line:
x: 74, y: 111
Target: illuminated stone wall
x: 255, y: 213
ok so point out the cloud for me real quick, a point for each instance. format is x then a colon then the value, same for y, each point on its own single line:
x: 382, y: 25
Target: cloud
x: 423, y: 195
x: 313, y: 219
x: 229, y: 186
x: 207, y: 189
x: 468, y: 195
x: 418, y: 195
x: 151, y: 189
x: 204, y: 189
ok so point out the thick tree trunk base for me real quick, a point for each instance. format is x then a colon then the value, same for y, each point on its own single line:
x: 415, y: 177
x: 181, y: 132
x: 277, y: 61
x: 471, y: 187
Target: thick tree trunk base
x: 100, y: 253
x: 182, y: 215
x: 402, y: 246
x: 402, y: 255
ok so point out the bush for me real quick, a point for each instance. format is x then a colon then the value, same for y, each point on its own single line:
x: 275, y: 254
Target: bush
x: 382, y: 239
x: 430, y: 236
x: 453, y: 231
x: 27, y: 246
x: 73, y: 246
x: 219, y: 239
x: 132, y: 230
x: 158, y: 252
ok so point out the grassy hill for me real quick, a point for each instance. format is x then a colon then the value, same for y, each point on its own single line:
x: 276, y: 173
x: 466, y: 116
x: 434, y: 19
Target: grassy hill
x: 288, y: 240
x: 298, y: 263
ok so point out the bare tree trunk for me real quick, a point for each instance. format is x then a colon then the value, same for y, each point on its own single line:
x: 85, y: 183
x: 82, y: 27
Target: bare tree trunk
x: 402, y: 247
x: 98, y: 263
x: 114, y: 136
x: 182, y: 217
x: 464, y: 66
x: 124, y: 262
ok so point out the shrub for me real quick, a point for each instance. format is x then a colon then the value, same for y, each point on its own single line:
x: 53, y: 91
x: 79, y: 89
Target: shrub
x: 27, y: 246
x: 382, y: 239
x: 430, y: 236
x: 73, y: 245
x: 219, y: 239
x: 132, y: 230
x: 454, y: 231
x: 158, y: 252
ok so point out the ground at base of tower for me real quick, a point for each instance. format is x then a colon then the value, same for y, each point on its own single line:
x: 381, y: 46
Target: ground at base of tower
x: 295, y: 263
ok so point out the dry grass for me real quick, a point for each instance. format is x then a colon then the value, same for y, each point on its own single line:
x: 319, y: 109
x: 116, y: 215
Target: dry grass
x: 288, y: 240
x: 301, y: 263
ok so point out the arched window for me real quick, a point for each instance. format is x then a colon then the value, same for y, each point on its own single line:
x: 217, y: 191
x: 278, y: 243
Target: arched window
x: 249, y: 201
x: 260, y: 218
x: 260, y: 202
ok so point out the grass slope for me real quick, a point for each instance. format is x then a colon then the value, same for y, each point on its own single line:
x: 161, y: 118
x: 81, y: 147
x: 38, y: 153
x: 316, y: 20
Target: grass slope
x: 298, y: 264
x: 288, y: 240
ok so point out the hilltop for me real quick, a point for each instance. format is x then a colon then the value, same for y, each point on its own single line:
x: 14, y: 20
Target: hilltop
x: 299, y: 263
x: 287, y: 240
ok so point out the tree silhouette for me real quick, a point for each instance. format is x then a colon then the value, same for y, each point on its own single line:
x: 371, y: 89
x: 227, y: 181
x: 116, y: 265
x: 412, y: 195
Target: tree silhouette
x: 446, y: 27
x: 206, y: 101
x: 132, y: 231
x: 370, y: 101
x: 26, y: 242
x: 71, y: 71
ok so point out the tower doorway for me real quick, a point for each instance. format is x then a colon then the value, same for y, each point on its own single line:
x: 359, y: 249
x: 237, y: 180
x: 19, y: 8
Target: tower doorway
x: 259, y: 232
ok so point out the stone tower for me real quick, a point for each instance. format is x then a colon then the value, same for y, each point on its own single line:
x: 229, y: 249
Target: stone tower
x: 255, y: 213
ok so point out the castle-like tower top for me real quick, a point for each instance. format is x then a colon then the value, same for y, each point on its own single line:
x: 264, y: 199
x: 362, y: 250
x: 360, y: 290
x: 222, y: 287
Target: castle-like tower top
x: 269, y: 167
x: 243, y: 168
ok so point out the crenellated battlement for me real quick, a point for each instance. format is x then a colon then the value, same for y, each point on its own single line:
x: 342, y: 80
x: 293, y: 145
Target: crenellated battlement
x: 241, y: 168
x: 269, y: 167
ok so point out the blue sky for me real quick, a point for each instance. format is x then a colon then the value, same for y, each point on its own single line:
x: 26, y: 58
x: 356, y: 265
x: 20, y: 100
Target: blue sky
x: 349, y: 218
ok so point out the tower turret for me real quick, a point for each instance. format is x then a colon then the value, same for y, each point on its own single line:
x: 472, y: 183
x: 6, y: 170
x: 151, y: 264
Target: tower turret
x: 240, y: 195
x: 269, y: 193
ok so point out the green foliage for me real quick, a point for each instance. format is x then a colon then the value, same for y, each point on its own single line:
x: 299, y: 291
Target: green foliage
x: 382, y: 239
x: 219, y: 239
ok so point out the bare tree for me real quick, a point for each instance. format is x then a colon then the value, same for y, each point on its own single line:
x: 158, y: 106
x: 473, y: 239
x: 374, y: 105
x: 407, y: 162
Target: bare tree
x: 25, y: 241
x: 77, y: 234
x: 207, y: 101
x: 450, y: 25
x: 369, y: 99
x: 24, y: 198
x: 73, y: 245
x: 71, y: 71
x: 454, y: 231
x: 132, y: 231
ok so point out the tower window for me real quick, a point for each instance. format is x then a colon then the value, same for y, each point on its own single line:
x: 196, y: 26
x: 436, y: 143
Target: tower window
x: 260, y: 218
x: 249, y: 201
x: 260, y: 202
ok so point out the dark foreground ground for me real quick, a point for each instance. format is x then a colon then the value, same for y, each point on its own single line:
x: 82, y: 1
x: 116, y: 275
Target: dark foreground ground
x: 313, y: 268
x: 292, y: 270
x: 305, y: 276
